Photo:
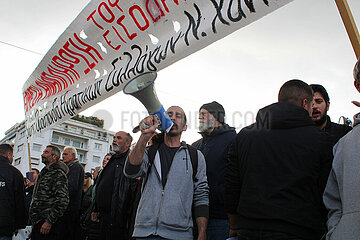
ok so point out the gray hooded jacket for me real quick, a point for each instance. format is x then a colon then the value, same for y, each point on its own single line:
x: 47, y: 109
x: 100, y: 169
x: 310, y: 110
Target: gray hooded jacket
x: 167, y: 212
x: 342, y: 192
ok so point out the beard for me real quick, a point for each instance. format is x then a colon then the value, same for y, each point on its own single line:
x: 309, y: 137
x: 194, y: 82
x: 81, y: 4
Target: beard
x: 45, y: 161
x: 116, y: 148
x: 206, y: 126
x: 321, y: 120
x: 174, y: 131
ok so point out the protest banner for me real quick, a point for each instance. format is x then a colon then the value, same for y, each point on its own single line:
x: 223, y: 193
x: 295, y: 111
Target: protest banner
x: 111, y: 41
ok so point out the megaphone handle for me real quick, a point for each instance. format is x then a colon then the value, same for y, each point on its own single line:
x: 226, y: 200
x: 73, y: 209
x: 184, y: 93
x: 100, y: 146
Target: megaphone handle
x: 142, y: 127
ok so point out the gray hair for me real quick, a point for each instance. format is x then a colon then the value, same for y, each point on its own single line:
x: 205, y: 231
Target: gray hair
x: 72, y: 150
x: 54, y: 151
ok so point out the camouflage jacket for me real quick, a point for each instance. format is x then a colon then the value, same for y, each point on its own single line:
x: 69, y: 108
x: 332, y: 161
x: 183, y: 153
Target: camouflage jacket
x: 50, y: 198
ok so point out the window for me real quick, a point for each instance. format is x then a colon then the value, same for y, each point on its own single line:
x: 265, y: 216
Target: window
x: 98, y: 146
x: 91, y: 134
x: 67, y: 141
x: 55, y: 139
x: 96, y: 159
x: 20, y: 148
x: 17, y: 161
x: 73, y: 129
x: 81, y: 158
x: 36, y: 147
x: 22, y: 134
x: 35, y: 161
x: 76, y: 143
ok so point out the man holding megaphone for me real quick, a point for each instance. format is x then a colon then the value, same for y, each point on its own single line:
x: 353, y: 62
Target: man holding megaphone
x: 174, y: 188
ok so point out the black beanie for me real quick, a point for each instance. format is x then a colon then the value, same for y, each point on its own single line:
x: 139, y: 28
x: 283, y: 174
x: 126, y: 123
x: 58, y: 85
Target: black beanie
x: 216, y: 109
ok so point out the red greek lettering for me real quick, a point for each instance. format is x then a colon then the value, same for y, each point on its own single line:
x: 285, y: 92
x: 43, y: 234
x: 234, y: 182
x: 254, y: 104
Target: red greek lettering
x: 146, y: 21
x: 109, y: 42
x: 102, y: 15
x: 115, y: 4
x: 154, y: 10
x: 132, y: 36
x: 88, y: 49
x: 91, y: 17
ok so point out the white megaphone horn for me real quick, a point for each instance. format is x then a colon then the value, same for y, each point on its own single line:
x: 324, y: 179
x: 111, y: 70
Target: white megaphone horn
x: 142, y: 87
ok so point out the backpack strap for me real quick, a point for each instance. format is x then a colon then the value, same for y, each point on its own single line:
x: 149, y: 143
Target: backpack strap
x: 194, y: 160
x: 151, y: 156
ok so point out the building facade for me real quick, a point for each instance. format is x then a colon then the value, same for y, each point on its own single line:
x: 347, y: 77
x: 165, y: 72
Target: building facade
x: 91, y: 142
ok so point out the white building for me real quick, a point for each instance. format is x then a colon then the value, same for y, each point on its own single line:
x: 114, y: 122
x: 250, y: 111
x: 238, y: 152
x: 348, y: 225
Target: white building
x: 92, y: 143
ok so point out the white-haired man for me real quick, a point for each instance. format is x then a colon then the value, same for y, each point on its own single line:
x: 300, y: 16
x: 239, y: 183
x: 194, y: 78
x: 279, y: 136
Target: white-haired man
x: 341, y: 196
x: 75, y: 185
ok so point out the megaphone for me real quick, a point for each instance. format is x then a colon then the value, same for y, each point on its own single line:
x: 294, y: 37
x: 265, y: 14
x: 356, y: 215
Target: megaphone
x: 142, y: 88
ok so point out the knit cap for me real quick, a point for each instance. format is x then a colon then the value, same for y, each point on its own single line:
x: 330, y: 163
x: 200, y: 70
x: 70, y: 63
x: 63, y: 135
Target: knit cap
x: 216, y: 109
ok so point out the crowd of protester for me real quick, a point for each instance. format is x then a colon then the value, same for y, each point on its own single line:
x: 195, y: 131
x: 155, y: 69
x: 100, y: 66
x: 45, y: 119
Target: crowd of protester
x: 293, y: 174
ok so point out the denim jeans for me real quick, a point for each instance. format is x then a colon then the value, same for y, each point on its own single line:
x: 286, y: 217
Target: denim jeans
x: 5, y: 238
x: 246, y: 234
x: 152, y: 238
x: 218, y: 229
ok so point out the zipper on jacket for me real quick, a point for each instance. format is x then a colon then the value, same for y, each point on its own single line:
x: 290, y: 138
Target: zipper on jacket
x: 158, y: 215
x: 163, y: 190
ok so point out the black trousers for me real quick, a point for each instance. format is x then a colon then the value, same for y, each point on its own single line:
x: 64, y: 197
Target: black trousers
x: 110, y: 231
x: 71, y: 225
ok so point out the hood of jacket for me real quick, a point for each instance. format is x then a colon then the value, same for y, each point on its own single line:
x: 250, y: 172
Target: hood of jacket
x: 356, y: 119
x: 59, y: 165
x: 218, y: 130
x: 4, y: 159
x: 283, y: 115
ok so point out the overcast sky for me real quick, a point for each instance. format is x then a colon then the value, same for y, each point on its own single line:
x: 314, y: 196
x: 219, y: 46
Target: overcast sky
x: 306, y: 40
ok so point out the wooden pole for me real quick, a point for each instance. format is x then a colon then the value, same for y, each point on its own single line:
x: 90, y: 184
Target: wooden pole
x: 28, y: 145
x: 350, y: 25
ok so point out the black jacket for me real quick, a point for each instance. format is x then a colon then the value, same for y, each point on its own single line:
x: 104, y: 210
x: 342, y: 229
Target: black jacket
x: 123, y: 191
x: 13, y: 213
x: 277, y: 173
x: 215, y: 149
x: 75, y: 186
x: 335, y: 130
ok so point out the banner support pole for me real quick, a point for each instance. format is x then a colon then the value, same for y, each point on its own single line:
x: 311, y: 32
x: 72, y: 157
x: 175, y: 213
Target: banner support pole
x: 350, y: 25
x: 28, y: 145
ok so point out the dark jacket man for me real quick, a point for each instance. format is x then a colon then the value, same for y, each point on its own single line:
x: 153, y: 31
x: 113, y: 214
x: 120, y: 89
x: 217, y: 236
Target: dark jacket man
x: 319, y: 115
x: 114, y: 192
x: 75, y: 185
x: 13, y: 213
x: 278, y: 170
x: 335, y: 130
x: 214, y: 144
x: 50, y: 197
x: 75, y: 178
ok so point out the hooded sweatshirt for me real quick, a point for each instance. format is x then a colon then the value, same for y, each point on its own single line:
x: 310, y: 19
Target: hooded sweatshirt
x: 341, y: 196
x: 166, y: 211
x: 50, y: 197
x: 277, y: 172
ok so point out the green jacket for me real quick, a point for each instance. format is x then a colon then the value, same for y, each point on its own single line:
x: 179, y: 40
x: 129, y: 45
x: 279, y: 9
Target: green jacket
x: 50, y: 198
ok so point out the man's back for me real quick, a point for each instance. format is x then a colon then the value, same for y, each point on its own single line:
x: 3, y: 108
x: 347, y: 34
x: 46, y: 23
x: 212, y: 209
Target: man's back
x: 342, y: 193
x: 12, y: 199
x: 75, y: 185
x: 279, y: 165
